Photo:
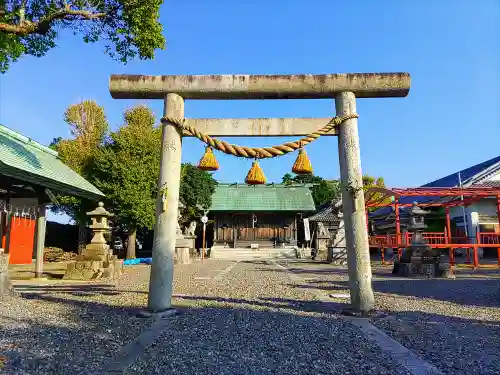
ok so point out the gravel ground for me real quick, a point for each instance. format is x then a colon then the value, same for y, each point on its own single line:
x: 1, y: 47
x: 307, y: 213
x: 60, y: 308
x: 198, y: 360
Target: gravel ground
x: 253, y: 319
x: 453, y: 324
x: 63, y: 328
x: 252, y: 322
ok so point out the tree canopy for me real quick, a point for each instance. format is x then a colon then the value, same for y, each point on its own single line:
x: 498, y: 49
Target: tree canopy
x: 126, y: 169
x: 88, y: 126
x: 323, y: 191
x: 129, y: 28
x: 369, y: 182
x: 125, y: 165
x: 196, y: 188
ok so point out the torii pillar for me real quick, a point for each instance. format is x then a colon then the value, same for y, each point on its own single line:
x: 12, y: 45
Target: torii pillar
x: 344, y: 88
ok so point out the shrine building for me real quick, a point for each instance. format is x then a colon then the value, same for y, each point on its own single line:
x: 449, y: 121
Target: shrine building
x: 268, y: 215
x: 30, y: 176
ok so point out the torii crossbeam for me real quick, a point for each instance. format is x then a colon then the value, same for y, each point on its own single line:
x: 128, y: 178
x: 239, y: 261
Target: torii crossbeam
x: 344, y: 88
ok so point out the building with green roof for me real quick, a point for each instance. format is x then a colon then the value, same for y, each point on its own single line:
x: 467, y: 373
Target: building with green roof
x: 259, y: 214
x: 30, y: 176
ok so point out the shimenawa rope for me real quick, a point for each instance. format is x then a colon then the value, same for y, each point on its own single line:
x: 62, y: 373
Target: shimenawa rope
x: 257, y: 152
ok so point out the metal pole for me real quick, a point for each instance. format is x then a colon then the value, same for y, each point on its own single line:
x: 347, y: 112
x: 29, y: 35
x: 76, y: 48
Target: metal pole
x: 203, y: 241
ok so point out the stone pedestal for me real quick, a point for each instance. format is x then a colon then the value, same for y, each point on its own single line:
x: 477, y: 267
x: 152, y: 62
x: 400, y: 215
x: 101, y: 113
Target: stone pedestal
x: 302, y: 252
x: 95, y: 262
x: 191, y: 240
x: 182, y: 255
x: 5, y: 284
x: 416, y: 268
x: 322, y: 248
x: 183, y: 244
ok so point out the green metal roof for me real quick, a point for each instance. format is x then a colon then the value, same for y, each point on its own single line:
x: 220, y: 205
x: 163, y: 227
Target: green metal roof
x: 270, y: 197
x: 29, y: 161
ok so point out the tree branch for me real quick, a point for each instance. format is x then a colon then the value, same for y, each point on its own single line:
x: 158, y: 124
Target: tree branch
x: 43, y: 25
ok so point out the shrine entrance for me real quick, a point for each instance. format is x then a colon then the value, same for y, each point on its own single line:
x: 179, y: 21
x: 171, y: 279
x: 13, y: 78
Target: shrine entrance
x: 343, y: 88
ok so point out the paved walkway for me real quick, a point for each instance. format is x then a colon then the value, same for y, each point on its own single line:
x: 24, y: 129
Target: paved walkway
x: 250, y: 318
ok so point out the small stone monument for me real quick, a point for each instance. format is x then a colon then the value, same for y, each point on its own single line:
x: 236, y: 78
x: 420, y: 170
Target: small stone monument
x: 419, y: 258
x: 182, y: 243
x: 322, y: 241
x: 337, y: 251
x: 5, y: 284
x: 97, y: 260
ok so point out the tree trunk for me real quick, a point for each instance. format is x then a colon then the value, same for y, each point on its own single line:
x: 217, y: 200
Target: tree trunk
x: 82, y: 236
x: 131, y: 244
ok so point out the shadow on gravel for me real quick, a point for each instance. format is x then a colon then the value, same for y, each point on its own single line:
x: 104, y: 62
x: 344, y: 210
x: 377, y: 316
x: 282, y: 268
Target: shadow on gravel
x: 237, y: 336
x: 87, y: 334
x: 77, y: 290
x: 455, y: 345
x: 277, y: 303
x: 463, y: 291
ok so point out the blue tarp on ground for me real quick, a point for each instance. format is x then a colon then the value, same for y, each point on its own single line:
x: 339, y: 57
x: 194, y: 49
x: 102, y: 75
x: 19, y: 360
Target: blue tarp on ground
x: 129, y: 262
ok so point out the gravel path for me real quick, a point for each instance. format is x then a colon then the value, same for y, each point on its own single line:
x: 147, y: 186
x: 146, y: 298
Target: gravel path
x: 252, y: 322
x: 251, y: 319
x: 73, y: 328
x: 453, y: 324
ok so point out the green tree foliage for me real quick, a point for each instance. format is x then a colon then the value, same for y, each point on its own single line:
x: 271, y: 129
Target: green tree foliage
x: 369, y: 182
x: 129, y: 27
x: 323, y: 191
x: 126, y: 170
x: 88, y: 126
x: 196, y: 189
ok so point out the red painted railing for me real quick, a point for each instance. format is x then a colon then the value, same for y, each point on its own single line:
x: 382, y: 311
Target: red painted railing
x: 440, y: 240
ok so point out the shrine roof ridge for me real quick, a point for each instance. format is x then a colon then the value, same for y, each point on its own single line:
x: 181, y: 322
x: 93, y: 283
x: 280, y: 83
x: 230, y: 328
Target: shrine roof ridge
x: 266, y: 185
x: 269, y: 197
x: 26, y: 140
x: 246, y: 86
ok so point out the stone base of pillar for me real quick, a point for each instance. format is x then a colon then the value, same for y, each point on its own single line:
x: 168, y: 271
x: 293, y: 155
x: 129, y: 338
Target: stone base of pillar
x: 302, y: 252
x: 429, y: 270
x: 337, y: 256
x: 85, y: 268
x: 182, y: 255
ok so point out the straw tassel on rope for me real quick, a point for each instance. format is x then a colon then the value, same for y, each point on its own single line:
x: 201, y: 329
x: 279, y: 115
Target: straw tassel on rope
x: 302, y: 164
x: 255, y: 175
x: 252, y: 152
x: 208, y: 162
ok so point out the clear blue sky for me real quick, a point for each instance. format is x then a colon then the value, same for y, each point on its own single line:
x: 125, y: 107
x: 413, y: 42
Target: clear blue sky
x: 450, y: 120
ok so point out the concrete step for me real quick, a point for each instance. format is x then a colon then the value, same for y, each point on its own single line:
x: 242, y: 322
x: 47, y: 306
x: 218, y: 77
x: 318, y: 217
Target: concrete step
x: 248, y: 254
x: 246, y: 244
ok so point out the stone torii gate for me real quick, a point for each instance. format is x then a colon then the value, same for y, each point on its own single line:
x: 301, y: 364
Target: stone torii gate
x: 344, y: 88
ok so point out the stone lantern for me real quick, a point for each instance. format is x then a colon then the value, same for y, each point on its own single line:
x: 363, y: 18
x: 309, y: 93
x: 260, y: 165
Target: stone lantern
x: 419, y: 258
x: 97, y: 260
x: 99, y: 218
